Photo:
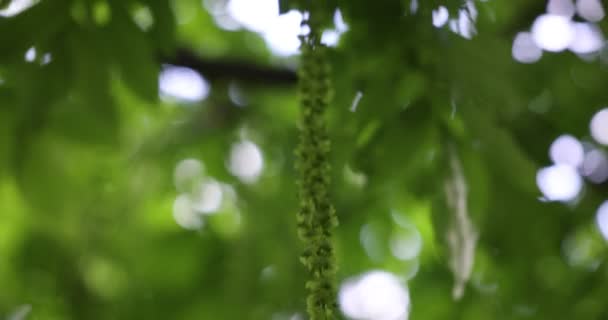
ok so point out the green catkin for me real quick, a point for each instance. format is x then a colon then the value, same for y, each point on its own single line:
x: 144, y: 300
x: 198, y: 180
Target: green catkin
x: 316, y: 217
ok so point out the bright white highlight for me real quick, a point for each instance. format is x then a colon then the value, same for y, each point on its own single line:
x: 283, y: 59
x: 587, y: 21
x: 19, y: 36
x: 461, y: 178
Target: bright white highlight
x: 220, y: 14
x: 208, y: 198
x: 440, y: 16
x: 256, y: 15
x: 226, y: 22
x: 590, y: 10
x: 406, y: 245
x: 552, y: 32
x: 525, y: 49
x: 339, y: 23
x: 471, y: 9
x: 465, y: 24
x: 187, y: 174
x: 332, y: 37
x: 30, y: 54
x: 567, y: 150
x: 246, y: 161
x: 183, y: 84
x: 595, y: 166
x: 561, y: 7
x: 559, y: 182
x: 588, y: 38
x: 376, y: 295
x: 599, y: 126
x: 601, y: 219
x: 279, y: 31
x: 16, y: 7
x: 282, y: 35
x: 184, y: 214
x: 356, y: 100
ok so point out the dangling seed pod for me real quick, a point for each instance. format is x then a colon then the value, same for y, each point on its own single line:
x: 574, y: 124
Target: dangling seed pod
x: 316, y: 217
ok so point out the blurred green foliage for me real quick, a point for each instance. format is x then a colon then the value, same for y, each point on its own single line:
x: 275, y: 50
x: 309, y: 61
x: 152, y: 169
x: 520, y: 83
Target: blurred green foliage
x: 87, y: 153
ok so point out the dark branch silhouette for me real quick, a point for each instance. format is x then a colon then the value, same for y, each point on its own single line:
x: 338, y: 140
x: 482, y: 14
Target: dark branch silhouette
x: 232, y: 69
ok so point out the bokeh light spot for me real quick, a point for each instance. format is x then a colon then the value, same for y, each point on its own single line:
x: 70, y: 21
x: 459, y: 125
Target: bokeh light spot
x: 103, y: 277
x: 578, y: 249
x: 414, y: 6
x: 330, y: 38
x: 524, y: 48
x: 339, y: 23
x: 102, y: 13
x: 143, y: 17
x: 279, y: 31
x: 376, y: 295
x: 601, y: 219
x: 187, y: 174
x: 236, y: 94
x: 354, y: 178
x: 20, y: 313
x: 588, y: 38
x: 208, y: 197
x: 254, y: 15
x: 559, y: 182
x: 471, y: 9
x: 246, y: 161
x: 440, y: 16
x: 466, y: 28
x: 46, y: 58
x: 599, y: 126
x: 184, y: 213
x: 282, y: 35
x: 371, y: 242
x: 595, y: 166
x: 590, y: 10
x: 30, y: 54
x: 552, y: 32
x: 16, y: 7
x: 182, y: 84
x: 567, y: 150
x: 406, y: 244
x: 561, y: 7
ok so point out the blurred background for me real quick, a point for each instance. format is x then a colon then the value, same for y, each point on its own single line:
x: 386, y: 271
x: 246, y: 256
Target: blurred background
x: 146, y: 159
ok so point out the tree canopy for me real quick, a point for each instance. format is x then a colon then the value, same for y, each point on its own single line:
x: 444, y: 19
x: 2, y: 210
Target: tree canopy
x: 148, y: 151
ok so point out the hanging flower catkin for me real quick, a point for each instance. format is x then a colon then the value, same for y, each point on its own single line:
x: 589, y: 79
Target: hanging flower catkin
x: 316, y: 217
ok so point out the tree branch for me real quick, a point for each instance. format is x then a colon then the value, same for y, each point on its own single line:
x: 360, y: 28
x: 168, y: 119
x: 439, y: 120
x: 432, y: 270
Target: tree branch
x: 232, y: 70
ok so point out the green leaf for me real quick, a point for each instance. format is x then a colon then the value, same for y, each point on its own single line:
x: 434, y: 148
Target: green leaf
x: 88, y: 114
x: 37, y: 25
x: 163, y: 30
x: 6, y: 136
x: 133, y: 54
